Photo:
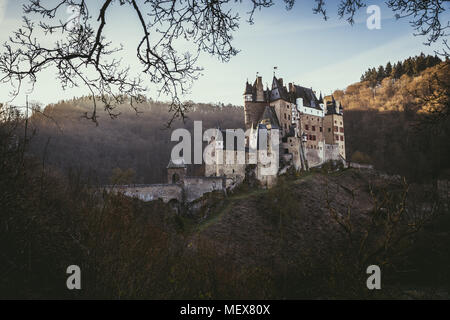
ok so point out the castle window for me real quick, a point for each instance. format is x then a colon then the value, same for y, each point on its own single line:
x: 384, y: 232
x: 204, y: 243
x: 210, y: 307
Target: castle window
x: 313, y: 128
x: 335, y: 129
x: 320, y: 129
x: 329, y: 129
x: 175, y: 178
x: 341, y: 129
x: 342, y: 138
x: 306, y: 127
x: 289, y: 117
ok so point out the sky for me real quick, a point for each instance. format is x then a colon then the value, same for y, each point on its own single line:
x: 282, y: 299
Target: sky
x: 308, y: 51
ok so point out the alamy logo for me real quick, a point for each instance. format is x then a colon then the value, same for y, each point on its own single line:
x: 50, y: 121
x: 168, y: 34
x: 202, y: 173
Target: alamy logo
x: 228, y: 147
x: 74, y: 280
x: 374, y: 280
x: 374, y: 20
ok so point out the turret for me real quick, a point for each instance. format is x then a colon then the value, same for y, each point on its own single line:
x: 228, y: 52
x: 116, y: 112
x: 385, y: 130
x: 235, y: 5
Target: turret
x: 176, y: 171
x: 248, y: 93
x: 259, y: 90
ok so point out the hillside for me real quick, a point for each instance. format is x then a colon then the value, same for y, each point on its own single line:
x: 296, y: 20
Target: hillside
x: 405, y: 93
x: 301, y: 238
x: 137, y: 141
x: 401, y: 123
x: 304, y: 238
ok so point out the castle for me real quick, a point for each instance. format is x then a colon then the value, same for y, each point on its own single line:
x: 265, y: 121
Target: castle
x: 310, y: 130
x: 286, y: 127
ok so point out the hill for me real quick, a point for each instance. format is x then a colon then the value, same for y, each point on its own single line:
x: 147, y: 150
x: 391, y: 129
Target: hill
x: 310, y: 236
x: 136, y: 141
x: 401, y: 123
x: 383, y: 126
x: 404, y: 93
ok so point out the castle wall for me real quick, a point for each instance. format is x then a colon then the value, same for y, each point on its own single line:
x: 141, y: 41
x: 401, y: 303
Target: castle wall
x: 328, y: 129
x: 313, y: 127
x: 331, y: 152
x: 151, y: 192
x: 195, y: 187
x: 210, y: 170
x: 253, y: 111
x: 283, y: 110
x: 315, y: 156
x: 334, y: 131
x: 293, y: 147
x: 175, y: 174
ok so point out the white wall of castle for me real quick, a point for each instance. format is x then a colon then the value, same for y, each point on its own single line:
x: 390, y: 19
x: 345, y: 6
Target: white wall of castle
x: 309, y: 111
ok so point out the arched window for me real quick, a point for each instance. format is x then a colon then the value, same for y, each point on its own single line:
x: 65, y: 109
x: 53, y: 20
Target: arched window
x: 175, y: 178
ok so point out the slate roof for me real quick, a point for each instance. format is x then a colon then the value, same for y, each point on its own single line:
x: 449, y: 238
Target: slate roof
x: 331, y: 106
x: 248, y: 88
x: 270, y: 117
x: 309, y: 98
x: 278, y: 91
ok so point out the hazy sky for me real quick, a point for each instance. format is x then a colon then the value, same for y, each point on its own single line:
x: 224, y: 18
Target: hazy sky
x: 307, y: 50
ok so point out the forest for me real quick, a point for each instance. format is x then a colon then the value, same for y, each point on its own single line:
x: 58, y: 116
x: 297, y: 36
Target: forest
x: 386, y: 126
x: 412, y: 66
x: 291, y: 241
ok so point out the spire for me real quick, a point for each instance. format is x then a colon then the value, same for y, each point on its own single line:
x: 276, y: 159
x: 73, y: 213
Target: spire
x: 248, y: 88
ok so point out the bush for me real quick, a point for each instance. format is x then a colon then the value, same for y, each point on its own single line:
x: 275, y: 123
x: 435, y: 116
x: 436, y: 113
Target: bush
x: 360, y: 157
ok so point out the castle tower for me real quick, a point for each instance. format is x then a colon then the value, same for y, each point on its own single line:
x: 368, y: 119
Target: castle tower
x: 259, y: 90
x: 334, y: 124
x: 254, y: 102
x: 176, y: 171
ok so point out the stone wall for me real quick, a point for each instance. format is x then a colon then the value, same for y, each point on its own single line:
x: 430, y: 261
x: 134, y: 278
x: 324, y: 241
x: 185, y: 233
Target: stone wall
x: 253, y: 112
x: 150, y: 192
x: 331, y: 152
x: 359, y: 165
x: 195, y: 187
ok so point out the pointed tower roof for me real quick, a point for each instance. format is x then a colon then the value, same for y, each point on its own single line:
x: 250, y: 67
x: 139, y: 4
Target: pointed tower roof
x: 248, y: 88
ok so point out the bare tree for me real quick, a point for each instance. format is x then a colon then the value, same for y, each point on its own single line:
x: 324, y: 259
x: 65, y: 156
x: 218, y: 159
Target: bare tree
x: 395, y: 217
x: 84, y: 56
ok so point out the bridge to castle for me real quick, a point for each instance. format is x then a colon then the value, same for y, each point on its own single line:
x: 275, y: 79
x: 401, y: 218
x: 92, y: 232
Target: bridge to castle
x: 188, y: 189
